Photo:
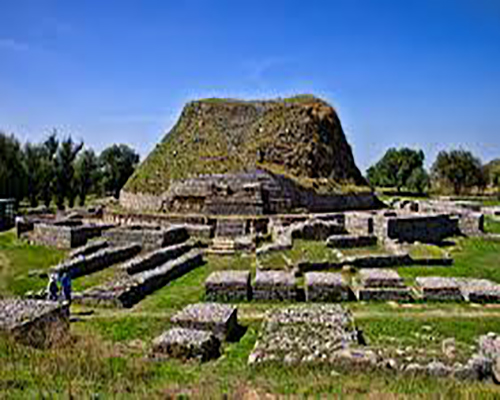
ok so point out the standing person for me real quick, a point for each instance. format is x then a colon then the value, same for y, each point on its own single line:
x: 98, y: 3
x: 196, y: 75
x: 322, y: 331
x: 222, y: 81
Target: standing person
x: 66, y: 287
x: 53, y: 288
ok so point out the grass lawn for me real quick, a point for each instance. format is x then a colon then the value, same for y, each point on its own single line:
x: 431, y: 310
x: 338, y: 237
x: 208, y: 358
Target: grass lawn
x: 492, y: 225
x: 108, y: 356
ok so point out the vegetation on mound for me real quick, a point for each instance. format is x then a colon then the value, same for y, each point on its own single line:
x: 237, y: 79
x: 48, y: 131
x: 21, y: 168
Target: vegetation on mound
x: 302, y: 136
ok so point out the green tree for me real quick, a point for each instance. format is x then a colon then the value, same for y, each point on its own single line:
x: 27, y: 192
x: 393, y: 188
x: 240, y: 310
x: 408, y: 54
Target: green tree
x: 458, y: 169
x: 87, y: 174
x: 12, y: 172
x: 65, y: 171
x: 33, y: 158
x: 418, y: 181
x: 118, y: 164
x: 48, y: 168
x: 396, y: 167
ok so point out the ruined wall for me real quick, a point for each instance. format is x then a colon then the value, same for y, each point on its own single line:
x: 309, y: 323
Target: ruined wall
x: 148, y: 237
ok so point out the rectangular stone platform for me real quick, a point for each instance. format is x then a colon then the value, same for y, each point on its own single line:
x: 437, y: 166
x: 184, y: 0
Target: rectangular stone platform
x: 220, y: 319
x: 479, y: 290
x: 36, y: 323
x: 154, y: 258
x: 384, y: 294
x: 228, y: 286
x: 439, y: 289
x: 187, y: 343
x: 149, y: 236
x: 85, y: 265
x: 326, y: 286
x: 351, y: 241
x: 274, y: 285
x: 89, y: 248
x: 132, y: 289
x: 380, y: 278
x: 304, y: 334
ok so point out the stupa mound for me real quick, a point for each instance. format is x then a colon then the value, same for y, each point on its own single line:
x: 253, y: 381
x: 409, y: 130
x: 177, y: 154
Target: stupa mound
x: 228, y: 156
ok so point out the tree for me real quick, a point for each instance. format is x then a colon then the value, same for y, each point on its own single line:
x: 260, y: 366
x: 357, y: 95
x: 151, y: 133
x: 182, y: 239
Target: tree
x: 12, y: 173
x: 33, y: 158
x: 418, y: 181
x: 65, y: 171
x: 118, y: 163
x: 396, y: 167
x: 87, y: 172
x: 48, y: 168
x: 492, y: 171
x: 458, y: 169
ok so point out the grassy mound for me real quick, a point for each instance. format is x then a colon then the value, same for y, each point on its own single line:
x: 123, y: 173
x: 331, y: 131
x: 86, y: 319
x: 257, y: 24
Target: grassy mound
x: 301, y: 136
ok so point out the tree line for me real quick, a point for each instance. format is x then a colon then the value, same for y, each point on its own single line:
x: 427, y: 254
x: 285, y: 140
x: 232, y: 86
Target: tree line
x: 61, y: 170
x: 456, y: 171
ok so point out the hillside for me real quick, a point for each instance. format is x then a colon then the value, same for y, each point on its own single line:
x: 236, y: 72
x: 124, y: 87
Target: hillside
x: 300, y: 137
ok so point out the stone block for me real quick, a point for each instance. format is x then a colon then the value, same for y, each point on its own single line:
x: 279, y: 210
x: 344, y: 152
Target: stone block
x: 228, y: 286
x: 187, y: 344
x: 274, y: 285
x: 36, y: 323
x: 89, y: 248
x: 350, y: 241
x: 439, y: 289
x: 220, y: 319
x: 380, y: 278
x: 325, y: 287
x: 479, y: 290
x: 384, y: 294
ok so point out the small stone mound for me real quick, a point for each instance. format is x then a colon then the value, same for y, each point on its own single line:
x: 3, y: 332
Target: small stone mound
x: 274, y: 285
x: 187, y: 343
x: 228, y: 286
x: 439, y: 289
x: 220, y: 319
x: 326, y: 286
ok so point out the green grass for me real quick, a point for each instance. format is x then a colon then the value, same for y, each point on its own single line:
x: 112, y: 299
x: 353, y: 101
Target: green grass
x: 491, y: 225
x: 422, y: 250
x: 302, y: 250
x: 109, y: 352
x: 17, y: 259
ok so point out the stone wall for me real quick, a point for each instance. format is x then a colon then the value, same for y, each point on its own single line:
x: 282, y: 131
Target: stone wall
x: 359, y: 223
x: 149, y: 237
x: 425, y: 228
x: 83, y: 265
x: 471, y: 224
x: 36, y: 323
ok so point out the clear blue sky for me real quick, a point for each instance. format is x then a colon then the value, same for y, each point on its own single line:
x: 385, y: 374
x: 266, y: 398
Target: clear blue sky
x: 423, y: 73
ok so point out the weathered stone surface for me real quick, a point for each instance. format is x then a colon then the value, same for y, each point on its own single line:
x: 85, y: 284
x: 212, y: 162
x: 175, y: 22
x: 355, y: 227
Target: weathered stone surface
x: 380, y: 278
x: 438, y: 369
x: 68, y: 236
x: 315, y: 229
x: 439, y: 289
x: 308, y: 334
x: 89, y: 248
x: 131, y: 289
x: 384, y: 294
x: 154, y: 258
x: 378, y: 260
x: 479, y: 290
x: 150, y: 237
x: 274, y: 285
x: 228, y: 286
x: 350, y: 241
x: 489, y: 345
x: 220, y: 319
x: 187, y: 343
x: 104, y: 258
x: 326, y: 286
x: 34, y: 322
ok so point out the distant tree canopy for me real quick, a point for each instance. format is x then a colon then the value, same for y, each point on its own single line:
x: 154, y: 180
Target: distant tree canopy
x: 458, y: 169
x: 61, y: 170
x: 492, y: 172
x: 118, y: 164
x: 400, y: 168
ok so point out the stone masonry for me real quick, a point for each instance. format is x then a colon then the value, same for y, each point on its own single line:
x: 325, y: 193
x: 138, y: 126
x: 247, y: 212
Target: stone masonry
x: 228, y: 286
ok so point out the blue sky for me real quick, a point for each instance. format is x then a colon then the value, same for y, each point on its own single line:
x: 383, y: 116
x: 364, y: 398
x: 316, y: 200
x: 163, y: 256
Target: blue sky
x: 423, y: 73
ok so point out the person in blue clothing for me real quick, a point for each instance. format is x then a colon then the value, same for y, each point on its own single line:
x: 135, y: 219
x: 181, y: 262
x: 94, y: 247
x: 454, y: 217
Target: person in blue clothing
x: 66, y: 287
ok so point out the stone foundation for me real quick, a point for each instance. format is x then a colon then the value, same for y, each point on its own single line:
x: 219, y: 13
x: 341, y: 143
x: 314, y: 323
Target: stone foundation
x: 384, y: 294
x: 479, y: 290
x: 149, y: 237
x: 89, y: 248
x: 439, y: 289
x: 228, y: 286
x: 350, y: 241
x: 83, y: 265
x: 274, y: 285
x: 220, y: 319
x: 36, y: 323
x: 187, y: 344
x: 380, y: 278
x: 326, y: 287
